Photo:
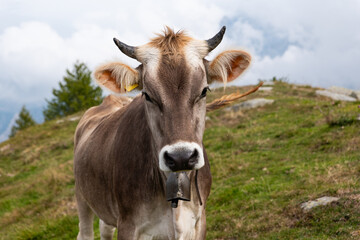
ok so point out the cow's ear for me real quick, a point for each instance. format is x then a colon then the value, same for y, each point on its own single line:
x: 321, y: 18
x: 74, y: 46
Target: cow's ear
x: 118, y: 77
x: 228, y: 65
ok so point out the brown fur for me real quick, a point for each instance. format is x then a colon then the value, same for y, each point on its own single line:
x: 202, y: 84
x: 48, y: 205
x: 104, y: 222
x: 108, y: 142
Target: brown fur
x: 170, y: 43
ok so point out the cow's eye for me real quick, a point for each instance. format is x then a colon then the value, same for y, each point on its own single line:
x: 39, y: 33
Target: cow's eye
x: 204, y: 91
x: 147, y: 97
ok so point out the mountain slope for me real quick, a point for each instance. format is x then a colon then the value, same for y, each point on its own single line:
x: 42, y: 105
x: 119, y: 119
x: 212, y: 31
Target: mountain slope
x: 265, y: 162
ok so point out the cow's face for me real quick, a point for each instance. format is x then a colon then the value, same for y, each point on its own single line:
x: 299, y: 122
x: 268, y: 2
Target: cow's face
x: 174, y: 78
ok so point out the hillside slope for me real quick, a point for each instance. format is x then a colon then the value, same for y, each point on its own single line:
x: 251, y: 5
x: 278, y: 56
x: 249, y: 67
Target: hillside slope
x: 265, y: 162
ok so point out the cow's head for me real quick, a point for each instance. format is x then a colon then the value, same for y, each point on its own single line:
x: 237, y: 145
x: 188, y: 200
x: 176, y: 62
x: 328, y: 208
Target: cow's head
x: 174, y: 77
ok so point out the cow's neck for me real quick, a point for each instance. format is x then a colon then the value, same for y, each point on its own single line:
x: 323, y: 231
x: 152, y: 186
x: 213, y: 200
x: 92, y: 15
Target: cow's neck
x: 134, y: 152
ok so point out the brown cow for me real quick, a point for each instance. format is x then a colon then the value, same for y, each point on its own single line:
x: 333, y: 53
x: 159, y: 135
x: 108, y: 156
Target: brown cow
x: 125, y: 149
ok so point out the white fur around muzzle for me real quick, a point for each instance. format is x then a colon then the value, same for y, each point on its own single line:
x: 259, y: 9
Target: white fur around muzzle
x: 187, y: 146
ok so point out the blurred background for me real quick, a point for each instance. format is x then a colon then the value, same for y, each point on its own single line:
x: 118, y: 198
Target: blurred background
x: 306, y: 42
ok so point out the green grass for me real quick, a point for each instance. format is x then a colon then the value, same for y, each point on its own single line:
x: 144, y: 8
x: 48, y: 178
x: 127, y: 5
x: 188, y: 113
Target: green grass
x: 264, y: 162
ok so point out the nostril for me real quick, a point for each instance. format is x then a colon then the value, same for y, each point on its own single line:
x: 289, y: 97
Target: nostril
x: 194, y: 157
x: 195, y: 154
x: 169, y: 160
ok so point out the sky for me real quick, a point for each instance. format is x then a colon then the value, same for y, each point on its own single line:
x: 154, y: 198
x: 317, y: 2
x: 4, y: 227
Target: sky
x: 308, y: 42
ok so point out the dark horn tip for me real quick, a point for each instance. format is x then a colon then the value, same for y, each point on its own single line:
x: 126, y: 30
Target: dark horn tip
x: 117, y: 42
x: 223, y: 29
x: 215, y: 41
x: 126, y: 49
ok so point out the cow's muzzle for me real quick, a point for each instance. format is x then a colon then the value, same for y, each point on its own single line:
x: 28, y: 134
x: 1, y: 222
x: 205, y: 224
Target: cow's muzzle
x: 181, y: 156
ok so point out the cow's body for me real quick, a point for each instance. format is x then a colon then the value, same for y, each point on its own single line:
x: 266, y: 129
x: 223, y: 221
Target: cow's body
x: 126, y: 149
x: 135, y: 203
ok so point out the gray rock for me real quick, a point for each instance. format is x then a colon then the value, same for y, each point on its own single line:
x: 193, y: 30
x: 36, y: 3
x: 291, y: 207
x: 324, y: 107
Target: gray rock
x: 71, y: 119
x: 265, y: 89
x: 335, y: 96
x: 340, y: 90
x: 253, y: 103
x: 355, y: 94
x: 345, y: 91
x: 307, y: 206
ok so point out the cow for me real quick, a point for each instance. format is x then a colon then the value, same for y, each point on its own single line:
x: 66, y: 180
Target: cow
x: 126, y: 150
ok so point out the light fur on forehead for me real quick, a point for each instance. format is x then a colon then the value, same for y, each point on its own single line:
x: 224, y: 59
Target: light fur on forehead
x: 116, y: 76
x: 147, y: 53
x: 195, y: 51
x: 150, y: 57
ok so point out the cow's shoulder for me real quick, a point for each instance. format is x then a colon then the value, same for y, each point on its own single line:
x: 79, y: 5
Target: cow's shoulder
x: 93, y: 116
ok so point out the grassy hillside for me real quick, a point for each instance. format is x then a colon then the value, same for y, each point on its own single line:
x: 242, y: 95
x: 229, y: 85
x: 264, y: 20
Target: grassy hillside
x: 265, y: 162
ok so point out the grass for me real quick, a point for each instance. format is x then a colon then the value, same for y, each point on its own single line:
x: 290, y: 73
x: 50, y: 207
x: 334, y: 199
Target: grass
x: 264, y: 162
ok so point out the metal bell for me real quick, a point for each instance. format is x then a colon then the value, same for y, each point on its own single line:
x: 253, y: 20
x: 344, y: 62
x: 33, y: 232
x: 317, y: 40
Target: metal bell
x: 177, y: 188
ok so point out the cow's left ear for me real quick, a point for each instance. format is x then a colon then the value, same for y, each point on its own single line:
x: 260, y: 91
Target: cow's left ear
x: 118, y: 77
x: 228, y: 65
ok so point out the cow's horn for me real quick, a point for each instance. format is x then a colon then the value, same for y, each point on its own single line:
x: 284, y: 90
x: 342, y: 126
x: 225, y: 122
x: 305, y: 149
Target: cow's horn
x: 126, y: 49
x: 215, y: 41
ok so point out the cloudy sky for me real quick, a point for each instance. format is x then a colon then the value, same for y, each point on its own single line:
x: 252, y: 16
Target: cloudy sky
x: 309, y: 42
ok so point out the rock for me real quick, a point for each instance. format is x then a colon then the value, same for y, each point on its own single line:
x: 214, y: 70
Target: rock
x: 71, y: 119
x: 340, y: 90
x: 74, y: 118
x: 345, y: 91
x: 265, y: 89
x: 355, y: 94
x: 335, y: 96
x: 307, y: 206
x: 253, y: 103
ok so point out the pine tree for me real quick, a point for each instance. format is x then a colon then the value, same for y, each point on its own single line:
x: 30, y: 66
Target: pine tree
x: 24, y: 121
x: 76, y: 93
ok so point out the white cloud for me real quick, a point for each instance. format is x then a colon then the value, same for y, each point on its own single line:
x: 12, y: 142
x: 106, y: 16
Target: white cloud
x: 33, y: 57
x: 323, y: 46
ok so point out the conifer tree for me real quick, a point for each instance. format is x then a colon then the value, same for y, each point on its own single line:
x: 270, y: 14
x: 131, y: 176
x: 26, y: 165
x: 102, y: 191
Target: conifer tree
x: 24, y: 121
x: 76, y: 93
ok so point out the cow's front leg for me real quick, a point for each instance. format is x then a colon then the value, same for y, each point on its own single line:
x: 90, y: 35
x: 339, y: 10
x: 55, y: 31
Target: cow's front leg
x: 200, y: 227
x: 86, y: 217
x: 126, y: 229
x: 106, y: 231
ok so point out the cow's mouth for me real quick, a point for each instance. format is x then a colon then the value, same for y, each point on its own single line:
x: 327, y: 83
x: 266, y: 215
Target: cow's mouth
x: 178, y: 188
